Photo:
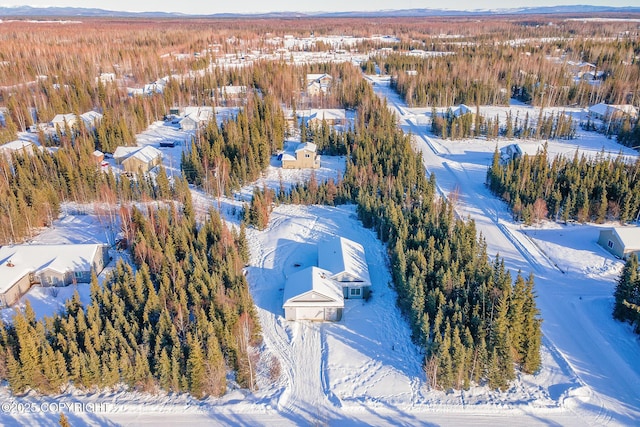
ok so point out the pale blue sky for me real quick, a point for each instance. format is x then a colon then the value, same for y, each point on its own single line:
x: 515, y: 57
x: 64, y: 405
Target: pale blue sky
x: 239, y: 6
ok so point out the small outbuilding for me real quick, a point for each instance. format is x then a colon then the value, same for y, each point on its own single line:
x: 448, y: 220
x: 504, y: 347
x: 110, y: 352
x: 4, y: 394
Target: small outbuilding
x: 621, y: 241
x: 311, y: 294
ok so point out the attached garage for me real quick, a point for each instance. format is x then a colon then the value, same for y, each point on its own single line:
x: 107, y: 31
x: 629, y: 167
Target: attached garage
x: 311, y: 294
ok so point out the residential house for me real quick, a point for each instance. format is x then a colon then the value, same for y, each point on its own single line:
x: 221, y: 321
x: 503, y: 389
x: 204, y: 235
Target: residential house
x: 460, y: 110
x: 310, y: 294
x: 331, y: 116
x: 91, y: 120
x: 196, y: 117
x: 509, y: 153
x: 18, y: 146
x: 346, y: 261
x: 22, y: 266
x: 304, y: 156
x: 60, y: 120
x: 318, y: 293
x: 604, y: 111
x: 620, y: 241
x: 137, y: 159
x: 318, y: 84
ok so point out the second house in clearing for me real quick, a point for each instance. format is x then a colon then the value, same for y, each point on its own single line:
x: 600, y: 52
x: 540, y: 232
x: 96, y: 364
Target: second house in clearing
x: 318, y: 293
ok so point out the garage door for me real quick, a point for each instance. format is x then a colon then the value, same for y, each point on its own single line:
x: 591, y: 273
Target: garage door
x: 310, y: 313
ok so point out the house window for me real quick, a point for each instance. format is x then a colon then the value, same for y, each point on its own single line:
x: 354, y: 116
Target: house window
x: 355, y: 291
x: 610, y: 244
x: 78, y: 274
x: 307, y: 155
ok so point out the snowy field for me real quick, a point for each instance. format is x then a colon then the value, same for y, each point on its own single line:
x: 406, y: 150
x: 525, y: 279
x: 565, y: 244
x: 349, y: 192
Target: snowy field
x: 364, y: 370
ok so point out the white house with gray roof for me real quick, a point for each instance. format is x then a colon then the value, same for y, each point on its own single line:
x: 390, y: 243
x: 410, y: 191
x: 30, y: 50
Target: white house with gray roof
x: 318, y: 293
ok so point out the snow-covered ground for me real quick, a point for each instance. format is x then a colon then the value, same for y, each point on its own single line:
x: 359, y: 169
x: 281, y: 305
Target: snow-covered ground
x: 575, y: 278
x: 365, y: 370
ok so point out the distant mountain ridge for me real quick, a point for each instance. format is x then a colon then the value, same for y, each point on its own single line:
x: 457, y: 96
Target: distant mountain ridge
x: 59, y: 12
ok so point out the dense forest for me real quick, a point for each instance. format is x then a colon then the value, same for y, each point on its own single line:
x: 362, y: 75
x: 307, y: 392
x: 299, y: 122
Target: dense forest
x: 544, y: 74
x: 579, y: 188
x: 176, y: 322
x: 627, y: 294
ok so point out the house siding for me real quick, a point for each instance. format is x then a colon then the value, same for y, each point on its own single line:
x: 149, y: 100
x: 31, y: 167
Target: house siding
x: 305, y: 159
x: 13, y: 294
x: 607, y: 236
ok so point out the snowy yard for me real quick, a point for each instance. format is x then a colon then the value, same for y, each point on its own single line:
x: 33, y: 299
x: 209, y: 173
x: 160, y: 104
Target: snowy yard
x: 365, y: 368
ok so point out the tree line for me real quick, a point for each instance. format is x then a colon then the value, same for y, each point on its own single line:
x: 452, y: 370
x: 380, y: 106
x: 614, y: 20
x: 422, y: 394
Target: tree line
x: 470, y: 125
x: 578, y: 188
x: 627, y: 294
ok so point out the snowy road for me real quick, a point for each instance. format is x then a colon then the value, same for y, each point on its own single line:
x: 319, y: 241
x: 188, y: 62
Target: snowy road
x: 602, y: 354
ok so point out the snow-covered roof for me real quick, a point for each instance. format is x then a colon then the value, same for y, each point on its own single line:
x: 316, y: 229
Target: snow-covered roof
x: 122, y: 152
x: 308, y: 146
x: 629, y: 236
x: 314, y: 77
x: 70, y: 118
x: 311, y: 284
x: 329, y: 114
x: 19, y: 260
x: 16, y: 145
x: 603, y: 109
x: 198, y: 114
x: 460, y: 110
x: 343, y: 256
x: 90, y: 117
x: 98, y: 153
x: 146, y: 153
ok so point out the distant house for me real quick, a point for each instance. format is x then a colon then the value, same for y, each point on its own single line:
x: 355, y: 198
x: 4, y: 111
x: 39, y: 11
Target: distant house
x: 509, y: 153
x: 318, y: 84
x: 60, y: 120
x: 91, y: 120
x: 460, y: 110
x: 18, y: 146
x: 604, y: 111
x: 226, y: 94
x: 106, y: 78
x: 98, y: 156
x: 620, y: 241
x: 311, y: 294
x: 196, y: 117
x: 331, y: 116
x: 346, y: 261
x: 22, y: 266
x: 304, y: 156
x: 137, y: 159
